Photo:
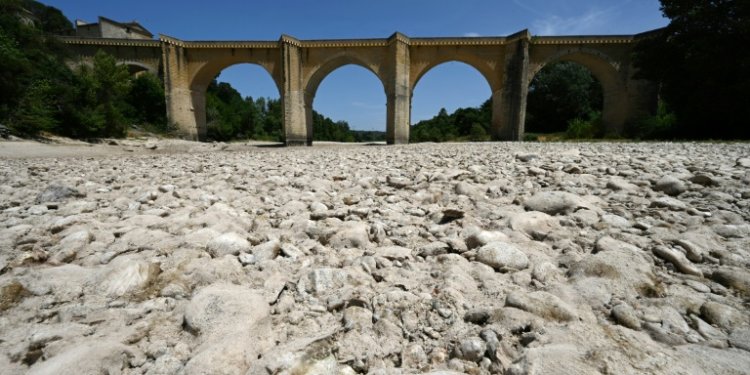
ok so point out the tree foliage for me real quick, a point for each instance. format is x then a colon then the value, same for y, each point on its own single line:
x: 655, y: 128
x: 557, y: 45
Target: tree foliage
x: 146, y: 102
x: 229, y: 116
x: 101, y: 100
x: 702, y: 64
x: 39, y: 92
x: 559, y: 93
x: 463, y: 124
x: 325, y: 129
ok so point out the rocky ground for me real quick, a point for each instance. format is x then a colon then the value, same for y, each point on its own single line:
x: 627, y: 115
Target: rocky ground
x: 509, y: 258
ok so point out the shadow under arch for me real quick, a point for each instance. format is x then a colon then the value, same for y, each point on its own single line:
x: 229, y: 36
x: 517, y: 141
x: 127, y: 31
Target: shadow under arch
x: 203, y: 77
x: 607, y: 72
x: 316, y: 77
x: 135, y: 67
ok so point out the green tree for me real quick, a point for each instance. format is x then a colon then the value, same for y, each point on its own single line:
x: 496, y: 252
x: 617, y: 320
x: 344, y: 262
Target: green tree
x: 34, y: 80
x: 101, y: 98
x: 13, y: 64
x: 36, y: 111
x: 147, y: 103
x: 559, y: 93
x: 702, y: 64
x: 478, y: 133
x: 463, y: 124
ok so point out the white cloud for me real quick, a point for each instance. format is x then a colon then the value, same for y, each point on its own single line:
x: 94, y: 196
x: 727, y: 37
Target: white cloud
x: 472, y: 35
x: 591, y: 22
x: 527, y: 8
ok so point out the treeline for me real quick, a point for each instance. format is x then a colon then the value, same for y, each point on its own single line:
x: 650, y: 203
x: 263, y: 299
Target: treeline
x: 465, y: 124
x: 231, y: 117
x: 39, y: 92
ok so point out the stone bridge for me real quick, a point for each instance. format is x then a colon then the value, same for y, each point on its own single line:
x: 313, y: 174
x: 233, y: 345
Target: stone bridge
x: 299, y: 66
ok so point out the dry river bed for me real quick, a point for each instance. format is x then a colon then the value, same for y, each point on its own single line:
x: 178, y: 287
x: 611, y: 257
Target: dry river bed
x: 505, y: 258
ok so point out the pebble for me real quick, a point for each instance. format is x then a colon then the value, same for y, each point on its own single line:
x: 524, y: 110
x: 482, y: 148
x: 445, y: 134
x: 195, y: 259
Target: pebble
x: 502, y: 256
x: 670, y: 185
x: 626, y: 316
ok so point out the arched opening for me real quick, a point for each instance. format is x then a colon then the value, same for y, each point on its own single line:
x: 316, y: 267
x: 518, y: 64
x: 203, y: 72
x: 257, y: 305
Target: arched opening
x: 242, y: 103
x: 138, y: 69
x: 451, y: 102
x: 347, y: 105
x: 592, y: 75
x: 563, y: 97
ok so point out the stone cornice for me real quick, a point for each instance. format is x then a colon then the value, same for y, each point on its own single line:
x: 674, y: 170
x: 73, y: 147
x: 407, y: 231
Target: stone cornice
x: 583, y: 39
x: 466, y: 41
x: 355, y: 43
x: 397, y: 37
x: 288, y: 39
x: 218, y: 44
x: 110, y: 42
x: 345, y: 43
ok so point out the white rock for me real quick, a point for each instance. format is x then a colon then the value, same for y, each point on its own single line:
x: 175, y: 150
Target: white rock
x: 670, y: 185
x: 479, y: 238
x: 502, y: 256
x: 228, y: 244
x: 93, y: 357
x: 543, y: 304
x: 126, y: 276
x: 536, y: 225
x: 556, y: 202
x: 678, y: 259
x: 222, y: 308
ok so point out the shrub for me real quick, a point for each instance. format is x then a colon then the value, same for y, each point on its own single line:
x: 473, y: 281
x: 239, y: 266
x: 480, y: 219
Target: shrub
x: 589, y: 128
x: 478, y: 134
x: 659, y: 126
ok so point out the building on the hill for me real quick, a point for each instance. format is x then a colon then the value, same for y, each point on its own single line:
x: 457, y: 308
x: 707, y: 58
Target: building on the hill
x: 107, y: 28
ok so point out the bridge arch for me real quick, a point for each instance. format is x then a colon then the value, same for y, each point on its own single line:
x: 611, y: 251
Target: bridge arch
x: 480, y: 66
x: 607, y: 71
x: 136, y: 67
x: 206, y: 73
x: 317, y: 75
x: 471, y: 91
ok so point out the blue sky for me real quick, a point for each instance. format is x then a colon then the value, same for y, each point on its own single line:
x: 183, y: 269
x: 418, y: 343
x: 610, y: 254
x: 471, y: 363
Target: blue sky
x: 352, y: 93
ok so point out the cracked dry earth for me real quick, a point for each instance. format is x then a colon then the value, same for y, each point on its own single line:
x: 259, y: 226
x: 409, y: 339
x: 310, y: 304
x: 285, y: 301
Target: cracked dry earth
x: 509, y: 258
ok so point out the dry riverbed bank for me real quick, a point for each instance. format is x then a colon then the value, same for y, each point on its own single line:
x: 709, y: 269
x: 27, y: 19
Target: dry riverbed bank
x: 171, y: 257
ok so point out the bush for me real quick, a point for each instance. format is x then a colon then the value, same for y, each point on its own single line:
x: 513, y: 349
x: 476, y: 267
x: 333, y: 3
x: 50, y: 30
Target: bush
x: 147, y: 103
x: 659, y: 126
x: 478, y: 134
x: 588, y: 128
